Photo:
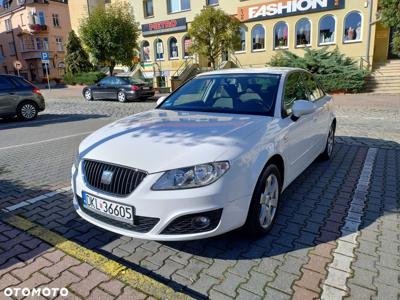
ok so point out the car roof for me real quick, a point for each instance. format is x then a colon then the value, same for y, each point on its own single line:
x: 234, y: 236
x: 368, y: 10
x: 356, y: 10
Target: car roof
x: 268, y: 70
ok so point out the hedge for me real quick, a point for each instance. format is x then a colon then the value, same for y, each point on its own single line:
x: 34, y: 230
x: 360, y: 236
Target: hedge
x: 83, y: 78
x: 335, y: 71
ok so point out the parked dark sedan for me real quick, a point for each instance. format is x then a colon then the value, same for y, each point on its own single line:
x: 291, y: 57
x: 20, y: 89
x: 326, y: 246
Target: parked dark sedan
x: 121, y: 88
x: 19, y: 97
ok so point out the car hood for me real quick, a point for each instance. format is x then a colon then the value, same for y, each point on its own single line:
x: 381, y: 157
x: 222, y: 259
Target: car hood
x: 160, y: 140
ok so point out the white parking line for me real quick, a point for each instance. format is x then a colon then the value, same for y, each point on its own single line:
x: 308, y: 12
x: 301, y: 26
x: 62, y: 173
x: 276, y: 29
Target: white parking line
x: 339, y: 270
x: 46, y: 141
x: 36, y: 199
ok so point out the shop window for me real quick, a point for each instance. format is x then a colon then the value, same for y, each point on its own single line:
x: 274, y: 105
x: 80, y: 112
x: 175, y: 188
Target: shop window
x: 187, y: 43
x: 159, y: 49
x: 281, y: 35
x: 303, y: 33
x: 327, y: 30
x: 352, y: 27
x: 242, y: 46
x: 148, y: 8
x: 146, y: 51
x: 258, y: 37
x: 173, y: 48
x: 178, y: 5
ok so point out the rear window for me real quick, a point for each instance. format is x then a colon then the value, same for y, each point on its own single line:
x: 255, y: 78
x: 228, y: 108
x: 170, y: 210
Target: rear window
x: 133, y: 80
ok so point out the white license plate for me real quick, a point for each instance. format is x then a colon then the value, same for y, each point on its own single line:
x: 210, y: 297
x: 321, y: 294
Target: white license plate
x: 146, y: 88
x: 109, y: 209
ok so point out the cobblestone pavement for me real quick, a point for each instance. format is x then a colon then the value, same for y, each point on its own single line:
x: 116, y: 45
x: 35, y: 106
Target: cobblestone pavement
x: 337, y: 233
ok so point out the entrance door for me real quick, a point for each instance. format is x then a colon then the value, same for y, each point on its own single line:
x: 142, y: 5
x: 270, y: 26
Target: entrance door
x: 391, y: 54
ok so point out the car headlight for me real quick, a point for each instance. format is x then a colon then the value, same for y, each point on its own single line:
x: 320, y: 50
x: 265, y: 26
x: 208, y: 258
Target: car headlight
x: 191, y: 177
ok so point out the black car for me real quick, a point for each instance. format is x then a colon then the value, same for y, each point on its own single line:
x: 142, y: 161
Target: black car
x: 118, y: 87
x: 19, y: 97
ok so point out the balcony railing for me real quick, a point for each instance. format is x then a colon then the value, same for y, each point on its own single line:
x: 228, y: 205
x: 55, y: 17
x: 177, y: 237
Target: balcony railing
x: 36, y: 28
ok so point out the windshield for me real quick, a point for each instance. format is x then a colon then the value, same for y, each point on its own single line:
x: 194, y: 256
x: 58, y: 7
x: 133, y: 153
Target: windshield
x: 233, y: 93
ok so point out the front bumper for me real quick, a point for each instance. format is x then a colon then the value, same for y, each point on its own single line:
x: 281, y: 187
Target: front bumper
x: 167, y: 215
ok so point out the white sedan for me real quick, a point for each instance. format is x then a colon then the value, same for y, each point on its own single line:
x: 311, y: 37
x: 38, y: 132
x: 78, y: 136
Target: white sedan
x: 215, y: 155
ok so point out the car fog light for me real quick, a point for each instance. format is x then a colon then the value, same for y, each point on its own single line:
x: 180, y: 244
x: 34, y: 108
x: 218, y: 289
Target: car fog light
x: 200, y: 222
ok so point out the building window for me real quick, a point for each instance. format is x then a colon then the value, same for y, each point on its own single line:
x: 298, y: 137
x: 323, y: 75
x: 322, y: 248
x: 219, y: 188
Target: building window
x: 327, y: 30
x: 242, y: 45
x: 1, y: 52
x: 45, y: 69
x: 178, y: 5
x: 42, y: 19
x: 303, y: 33
x: 148, y: 8
x: 22, y: 19
x: 212, y: 2
x: 38, y: 43
x: 8, y: 24
x: 6, y: 3
x: 258, y: 37
x: 59, y: 43
x: 352, y: 27
x: 159, y: 49
x: 56, y: 21
x: 146, y: 51
x: 173, y: 48
x: 45, y: 43
x: 281, y: 35
x: 11, y: 47
x: 187, y: 43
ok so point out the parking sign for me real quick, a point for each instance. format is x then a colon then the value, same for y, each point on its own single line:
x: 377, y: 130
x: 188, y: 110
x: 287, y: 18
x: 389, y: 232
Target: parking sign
x: 45, y: 57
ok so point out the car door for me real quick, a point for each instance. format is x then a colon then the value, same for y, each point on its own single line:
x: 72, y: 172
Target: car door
x: 8, y: 97
x: 298, y: 134
x: 100, y: 90
x: 321, y: 114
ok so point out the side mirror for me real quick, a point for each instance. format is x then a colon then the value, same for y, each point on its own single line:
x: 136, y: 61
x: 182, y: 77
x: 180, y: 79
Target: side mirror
x: 302, y: 108
x: 161, y: 100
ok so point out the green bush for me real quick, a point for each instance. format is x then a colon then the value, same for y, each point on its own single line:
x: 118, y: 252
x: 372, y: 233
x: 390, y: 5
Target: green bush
x: 83, y: 78
x: 335, y: 71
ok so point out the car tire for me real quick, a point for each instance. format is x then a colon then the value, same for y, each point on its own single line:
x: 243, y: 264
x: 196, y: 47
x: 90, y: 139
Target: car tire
x: 88, y: 95
x: 121, y: 96
x: 330, y: 144
x: 27, y: 111
x: 264, y: 203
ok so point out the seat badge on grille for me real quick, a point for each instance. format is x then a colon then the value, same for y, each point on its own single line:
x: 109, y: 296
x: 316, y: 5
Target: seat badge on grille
x: 106, y: 177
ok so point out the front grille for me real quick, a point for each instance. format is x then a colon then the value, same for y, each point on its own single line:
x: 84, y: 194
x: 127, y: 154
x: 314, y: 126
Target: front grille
x: 141, y: 224
x: 124, y: 180
x: 183, y: 225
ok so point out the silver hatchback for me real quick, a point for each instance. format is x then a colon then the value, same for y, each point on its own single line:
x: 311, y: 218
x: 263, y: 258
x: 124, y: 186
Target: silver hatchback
x: 18, y: 97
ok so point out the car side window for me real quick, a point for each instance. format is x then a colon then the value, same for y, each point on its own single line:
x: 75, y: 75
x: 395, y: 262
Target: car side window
x: 5, y: 84
x: 294, y: 90
x: 314, y: 91
x: 106, y: 80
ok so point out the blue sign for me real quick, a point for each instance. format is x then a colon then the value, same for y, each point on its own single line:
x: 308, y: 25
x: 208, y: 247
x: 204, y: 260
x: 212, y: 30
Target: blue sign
x: 45, y: 57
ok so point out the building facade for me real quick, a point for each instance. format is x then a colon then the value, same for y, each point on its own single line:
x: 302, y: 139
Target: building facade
x: 28, y: 28
x: 81, y: 9
x: 268, y: 26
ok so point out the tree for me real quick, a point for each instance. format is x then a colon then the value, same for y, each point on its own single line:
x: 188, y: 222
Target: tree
x: 391, y: 18
x: 110, y: 35
x: 214, y: 32
x: 76, y: 58
x: 335, y: 71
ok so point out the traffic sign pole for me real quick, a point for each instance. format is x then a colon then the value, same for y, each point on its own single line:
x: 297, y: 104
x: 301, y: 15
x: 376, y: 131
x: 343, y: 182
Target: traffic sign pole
x: 47, y: 74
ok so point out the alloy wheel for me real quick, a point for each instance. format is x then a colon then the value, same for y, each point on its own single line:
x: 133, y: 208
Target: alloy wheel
x: 28, y: 111
x: 88, y: 95
x: 269, y: 201
x: 121, y: 97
